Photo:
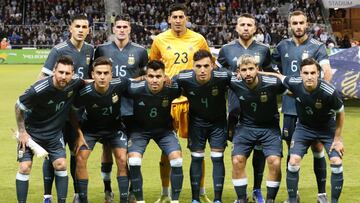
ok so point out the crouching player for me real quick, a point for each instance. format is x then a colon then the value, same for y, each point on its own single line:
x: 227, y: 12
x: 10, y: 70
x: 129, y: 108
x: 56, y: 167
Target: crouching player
x: 102, y: 123
x: 321, y: 117
x: 152, y: 120
x: 258, y: 124
x: 41, y: 113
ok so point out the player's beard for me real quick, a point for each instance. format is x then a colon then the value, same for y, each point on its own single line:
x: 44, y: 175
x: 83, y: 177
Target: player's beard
x: 246, y: 37
x: 298, y: 35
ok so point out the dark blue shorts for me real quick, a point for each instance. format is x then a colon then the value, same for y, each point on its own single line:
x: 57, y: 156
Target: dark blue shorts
x: 216, y: 134
x: 165, y: 139
x: 289, y: 124
x: 116, y: 140
x: 55, y: 147
x: 303, y: 138
x: 246, y: 138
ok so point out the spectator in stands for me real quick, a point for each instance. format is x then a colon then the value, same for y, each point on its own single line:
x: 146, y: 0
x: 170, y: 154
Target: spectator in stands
x: 5, y: 44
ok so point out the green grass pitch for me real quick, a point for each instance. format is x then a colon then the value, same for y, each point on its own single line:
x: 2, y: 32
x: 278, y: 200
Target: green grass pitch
x: 16, y: 78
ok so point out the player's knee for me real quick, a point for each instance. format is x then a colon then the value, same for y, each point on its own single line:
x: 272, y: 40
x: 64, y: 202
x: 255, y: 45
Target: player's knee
x: 176, y: 162
x: 25, y: 168
x: 294, y: 160
x: 335, y: 161
x: 60, y: 165
x: 135, y: 161
x: 121, y: 160
x: 239, y: 161
x: 273, y: 161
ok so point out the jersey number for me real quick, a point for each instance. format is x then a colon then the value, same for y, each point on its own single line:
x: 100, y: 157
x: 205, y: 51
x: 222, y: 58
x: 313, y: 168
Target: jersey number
x: 80, y: 72
x: 153, y: 112
x: 59, y: 106
x: 309, y: 110
x: 253, y: 106
x: 205, y: 102
x: 294, y: 66
x: 184, y: 59
x: 120, y: 71
x: 107, y: 111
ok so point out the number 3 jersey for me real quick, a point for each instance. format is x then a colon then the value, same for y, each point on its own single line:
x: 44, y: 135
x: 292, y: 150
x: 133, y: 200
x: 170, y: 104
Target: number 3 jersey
x: 46, y: 107
x: 177, y: 53
x: 287, y: 56
x: 102, y: 111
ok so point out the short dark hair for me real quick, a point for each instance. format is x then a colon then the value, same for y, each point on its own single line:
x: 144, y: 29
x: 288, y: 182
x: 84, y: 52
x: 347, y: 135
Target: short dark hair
x: 310, y: 61
x: 155, y: 65
x: 177, y: 7
x: 247, y: 15
x: 297, y: 13
x: 202, y: 54
x: 102, y: 60
x: 65, y: 60
x: 123, y: 17
x: 79, y: 17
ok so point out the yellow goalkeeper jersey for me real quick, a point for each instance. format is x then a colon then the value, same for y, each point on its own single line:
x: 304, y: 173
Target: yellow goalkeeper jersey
x: 177, y: 52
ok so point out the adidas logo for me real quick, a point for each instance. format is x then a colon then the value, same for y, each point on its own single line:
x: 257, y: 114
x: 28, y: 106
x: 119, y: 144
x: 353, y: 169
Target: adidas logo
x: 298, y: 99
x: 235, y: 58
x: 141, y: 103
x: 241, y: 98
x: 111, y: 59
x: 192, y: 93
x: 50, y: 102
x: 95, y: 106
x: 286, y: 55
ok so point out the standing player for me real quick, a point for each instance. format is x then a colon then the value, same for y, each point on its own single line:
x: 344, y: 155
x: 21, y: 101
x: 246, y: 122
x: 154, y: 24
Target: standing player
x: 102, y: 123
x: 81, y: 53
x: 176, y: 48
x: 205, y: 89
x: 321, y: 117
x: 258, y: 124
x: 41, y: 113
x: 129, y: 60
x: 152, y: 105
x: 228, y: 57
x: 287, y: 56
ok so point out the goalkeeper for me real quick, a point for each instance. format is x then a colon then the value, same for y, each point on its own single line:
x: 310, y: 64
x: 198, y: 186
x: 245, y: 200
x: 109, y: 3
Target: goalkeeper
x: 40, y: 115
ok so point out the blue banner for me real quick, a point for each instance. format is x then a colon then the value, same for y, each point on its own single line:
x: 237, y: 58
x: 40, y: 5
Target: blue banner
x: 346, y: 72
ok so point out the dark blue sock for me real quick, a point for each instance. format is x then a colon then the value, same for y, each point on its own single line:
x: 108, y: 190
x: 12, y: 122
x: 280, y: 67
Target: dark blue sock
x: 195, y: 176
x: 176, y: 179
x: 218, y: 176
x: 82, y: 185
x: 337, y: 181
x: 292, y: 180
x: 105, y: 172
x: 48, y: 176
x: 123, y: 185
x: 22, y: 187
x: 258, y: 163
x: 136, y: 182
x: 61, y: 183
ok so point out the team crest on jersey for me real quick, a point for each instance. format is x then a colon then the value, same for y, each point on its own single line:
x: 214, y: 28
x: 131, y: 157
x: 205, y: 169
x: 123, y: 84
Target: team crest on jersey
x: 88, y: 59
x: 191, y: 48
x: 115, y: 98
x: 318, y: 104
x: 214, y: 91
x: 70, y: 93
x: 131, y: 60
x: 168, y: 47
x: 165, y: 102
x: 263, y: 97
x: 257, y: 58
x: 305, y: 55
x: 129, y: 144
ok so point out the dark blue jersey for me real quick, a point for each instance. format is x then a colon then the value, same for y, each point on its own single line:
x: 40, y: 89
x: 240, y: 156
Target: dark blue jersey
x: 46, y: 107
x: 230, y: 53
x: 259, y: 105
x: 102, y: 111
x: 127, y: 62
x: 287, y: 56
x: 81, y: 58
x: 152, y: 111
x: 316, y: 109
x: 206, y: 102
